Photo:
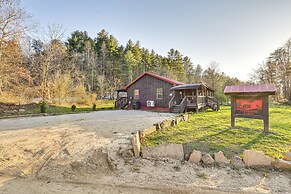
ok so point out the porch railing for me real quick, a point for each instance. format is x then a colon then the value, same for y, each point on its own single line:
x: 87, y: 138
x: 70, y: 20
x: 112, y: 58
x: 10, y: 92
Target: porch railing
x: 121, y: 102
x: 183, y: 104
x: 172, y: 103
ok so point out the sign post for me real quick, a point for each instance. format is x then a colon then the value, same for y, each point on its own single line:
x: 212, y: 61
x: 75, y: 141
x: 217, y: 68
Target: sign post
x: 250, y: 101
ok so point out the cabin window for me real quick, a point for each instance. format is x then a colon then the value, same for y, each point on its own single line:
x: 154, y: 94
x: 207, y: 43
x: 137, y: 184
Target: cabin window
x: 136, y: 94
x: 159, y: 93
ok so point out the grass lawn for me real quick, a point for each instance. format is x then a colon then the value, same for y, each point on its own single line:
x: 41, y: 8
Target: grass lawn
x: 210, y: 132
x: 100, y: 105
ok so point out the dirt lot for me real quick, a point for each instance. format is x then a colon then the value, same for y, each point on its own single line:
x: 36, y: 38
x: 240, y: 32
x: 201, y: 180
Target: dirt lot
x: 91, y: 153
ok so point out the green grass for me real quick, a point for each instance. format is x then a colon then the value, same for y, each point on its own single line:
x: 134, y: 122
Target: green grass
x: 101, y: 105
x: 210, y: 132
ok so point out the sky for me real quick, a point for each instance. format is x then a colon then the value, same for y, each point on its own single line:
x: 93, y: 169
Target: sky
x: 237, y: 34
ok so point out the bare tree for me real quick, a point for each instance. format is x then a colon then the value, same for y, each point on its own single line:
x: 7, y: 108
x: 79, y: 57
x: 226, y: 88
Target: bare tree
x: 55, y: 32
x: 13, y: 20
x: 212, y: 74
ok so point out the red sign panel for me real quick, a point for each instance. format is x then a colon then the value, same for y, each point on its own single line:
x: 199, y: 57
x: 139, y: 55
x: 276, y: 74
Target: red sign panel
x: 249, y: 107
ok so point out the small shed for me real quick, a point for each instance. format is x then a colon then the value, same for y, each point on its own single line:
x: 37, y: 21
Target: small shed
x: 250, y: 101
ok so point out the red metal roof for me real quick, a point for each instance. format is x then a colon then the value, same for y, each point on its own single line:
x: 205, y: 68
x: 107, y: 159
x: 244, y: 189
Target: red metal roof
x: 174, y: 82
x: 258, y: 88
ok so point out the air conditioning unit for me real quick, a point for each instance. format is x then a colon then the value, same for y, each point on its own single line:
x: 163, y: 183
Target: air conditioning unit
x: 150, y: 103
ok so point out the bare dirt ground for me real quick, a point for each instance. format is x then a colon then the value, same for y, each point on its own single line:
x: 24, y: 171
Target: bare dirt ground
x: 91, y: 153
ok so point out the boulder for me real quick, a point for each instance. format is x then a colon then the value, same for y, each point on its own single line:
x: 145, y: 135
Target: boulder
x: 136, y: 144
x: 148, y: 131
x: 165, y: 124
x: 287, y: 156
x: 158, y: 126
x: 195, y: 157
x: 173, y: 122
x: 171, y: 151
x: 178, y: 120
x: 256, y: 158
x: 207, y: 159
x: 145, y: 132
x: 237, y: 162
x: 282, y: 164
x: 185, y: 117
x: 220, y: 158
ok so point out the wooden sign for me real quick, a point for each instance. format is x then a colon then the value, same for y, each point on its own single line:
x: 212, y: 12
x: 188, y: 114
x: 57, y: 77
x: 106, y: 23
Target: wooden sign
x: 256, y: 107
x: 249, y: 106
x: 250, y: 101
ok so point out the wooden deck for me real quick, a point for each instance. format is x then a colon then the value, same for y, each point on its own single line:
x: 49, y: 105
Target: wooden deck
x: 204, y: 103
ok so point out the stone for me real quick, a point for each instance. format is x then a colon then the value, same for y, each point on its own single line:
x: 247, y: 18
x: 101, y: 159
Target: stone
x: 237, y: 162
x: 220, y: 158
x: 287, y: 156
x: 256, y: 158
x: 207, y: 159
x: 158, y: 126
x: 195, y: 157
x: 165, y: 124
x: 148, y: 131
x: 145, y: 132
x: 171, y: 151
x: 173, y: 122
x: 21, y: 110
x: 136, y: 144
x: 283, y: 164
x: 185, y: 117
x: 178, y: 120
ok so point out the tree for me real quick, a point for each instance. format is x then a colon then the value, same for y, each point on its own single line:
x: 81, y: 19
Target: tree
x: 13, y: 24
x: 13, y: 20
x: 130, y: 63
x: 212, y: 74
x: 198, y: 74
x: 76, y: 42
x: 12, y: 72
x: 189, y: 71
x: 175, y: 65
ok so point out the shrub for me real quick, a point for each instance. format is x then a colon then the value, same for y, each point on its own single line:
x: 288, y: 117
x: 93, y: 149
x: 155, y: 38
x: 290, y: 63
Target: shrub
x: 94, y: 107
x: 43, y: 106
x: 73, y: 108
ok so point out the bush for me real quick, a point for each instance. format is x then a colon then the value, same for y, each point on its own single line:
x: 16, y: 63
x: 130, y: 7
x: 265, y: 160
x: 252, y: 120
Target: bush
x: 94, y: 107
x: 73, y: 108
x: 43, y: 107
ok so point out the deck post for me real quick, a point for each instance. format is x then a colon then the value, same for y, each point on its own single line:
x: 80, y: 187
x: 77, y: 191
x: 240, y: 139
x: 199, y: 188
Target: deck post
x: 233, y: 112
x: 197, y: 100
x: 266, y: 113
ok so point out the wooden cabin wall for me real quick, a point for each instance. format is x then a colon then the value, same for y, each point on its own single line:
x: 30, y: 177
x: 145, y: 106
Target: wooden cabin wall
x: 147, y: 86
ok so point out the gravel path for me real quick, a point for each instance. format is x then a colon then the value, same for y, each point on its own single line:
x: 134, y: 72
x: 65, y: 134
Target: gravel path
x: 104, y: 122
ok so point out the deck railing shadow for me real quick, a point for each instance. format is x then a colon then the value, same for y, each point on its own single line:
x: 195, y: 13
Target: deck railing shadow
x: 205, y: 146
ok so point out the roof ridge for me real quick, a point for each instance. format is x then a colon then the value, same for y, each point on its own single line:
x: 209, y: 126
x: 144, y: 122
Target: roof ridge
x: 171, y: 81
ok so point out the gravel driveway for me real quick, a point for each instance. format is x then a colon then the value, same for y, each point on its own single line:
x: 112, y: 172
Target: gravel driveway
x: 102, y: 122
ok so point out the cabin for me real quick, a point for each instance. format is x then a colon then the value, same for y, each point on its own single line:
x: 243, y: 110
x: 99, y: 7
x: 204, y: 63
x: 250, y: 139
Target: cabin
x: 153, y: 92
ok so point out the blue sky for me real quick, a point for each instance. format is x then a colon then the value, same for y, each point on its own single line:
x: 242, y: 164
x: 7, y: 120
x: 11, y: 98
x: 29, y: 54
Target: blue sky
x: 238, y: 34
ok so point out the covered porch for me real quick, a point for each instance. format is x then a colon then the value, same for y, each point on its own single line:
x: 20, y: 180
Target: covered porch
x: 192, y: 97
x: 121, y: 99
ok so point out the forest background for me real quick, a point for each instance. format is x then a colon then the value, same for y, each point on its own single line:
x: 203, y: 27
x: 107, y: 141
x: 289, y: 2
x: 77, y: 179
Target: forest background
x: 80, y: 69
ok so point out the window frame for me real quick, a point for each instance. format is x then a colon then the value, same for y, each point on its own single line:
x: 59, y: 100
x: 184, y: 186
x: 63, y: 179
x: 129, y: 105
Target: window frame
x: 160, y: 94
x: 136, y: 95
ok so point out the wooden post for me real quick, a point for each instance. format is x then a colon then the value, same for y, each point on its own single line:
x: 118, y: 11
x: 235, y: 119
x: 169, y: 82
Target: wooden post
x: 266, y: 113
x: 196, y: 100
x: 232, y: 112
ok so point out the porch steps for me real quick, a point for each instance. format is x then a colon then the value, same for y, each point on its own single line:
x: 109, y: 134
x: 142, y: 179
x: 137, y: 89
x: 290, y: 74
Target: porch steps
x: 176, y: 109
